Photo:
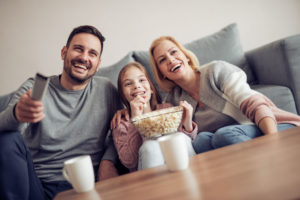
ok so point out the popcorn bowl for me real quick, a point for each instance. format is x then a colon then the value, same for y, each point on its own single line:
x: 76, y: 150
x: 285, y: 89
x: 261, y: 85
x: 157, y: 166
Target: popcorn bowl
x: 159, y: 122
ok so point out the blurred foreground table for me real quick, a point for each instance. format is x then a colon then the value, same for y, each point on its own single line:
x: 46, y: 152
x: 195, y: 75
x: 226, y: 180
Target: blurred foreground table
x: 267, y: 167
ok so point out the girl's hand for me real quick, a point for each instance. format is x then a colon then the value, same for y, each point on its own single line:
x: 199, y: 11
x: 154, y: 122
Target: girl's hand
x: 137, y: 106
x: 117, y: 118
x: 187, y: 116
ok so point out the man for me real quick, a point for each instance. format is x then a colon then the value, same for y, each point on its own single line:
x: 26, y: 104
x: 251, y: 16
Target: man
x: 72, y: 119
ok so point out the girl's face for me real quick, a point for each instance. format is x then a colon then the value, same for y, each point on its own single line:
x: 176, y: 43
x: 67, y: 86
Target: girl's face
x: 135, y: 85
x: 170, y: 60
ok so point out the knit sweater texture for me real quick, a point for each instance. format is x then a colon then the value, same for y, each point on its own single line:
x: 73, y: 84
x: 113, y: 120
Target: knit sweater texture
x: 224, y: 89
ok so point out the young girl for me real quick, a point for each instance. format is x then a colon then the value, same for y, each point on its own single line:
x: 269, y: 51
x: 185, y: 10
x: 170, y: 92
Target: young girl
x: 140, y: 96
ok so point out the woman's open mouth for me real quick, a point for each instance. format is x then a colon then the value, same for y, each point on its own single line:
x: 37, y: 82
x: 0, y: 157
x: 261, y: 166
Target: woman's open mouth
x: 175, y: 68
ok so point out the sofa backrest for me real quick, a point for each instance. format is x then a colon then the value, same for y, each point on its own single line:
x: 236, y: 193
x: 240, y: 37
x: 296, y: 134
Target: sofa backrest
x: 222, y: 45
x: 4, y: 100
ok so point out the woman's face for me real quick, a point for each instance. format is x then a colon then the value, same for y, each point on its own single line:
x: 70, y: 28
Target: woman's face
x: 136, y: 85
x: 171, y: 61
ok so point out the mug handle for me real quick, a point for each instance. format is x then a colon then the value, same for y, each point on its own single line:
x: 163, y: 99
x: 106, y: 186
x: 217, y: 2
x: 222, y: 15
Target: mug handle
x: 65, y: 174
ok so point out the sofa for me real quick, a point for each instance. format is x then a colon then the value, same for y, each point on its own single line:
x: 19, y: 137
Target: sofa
x: 271, y: 69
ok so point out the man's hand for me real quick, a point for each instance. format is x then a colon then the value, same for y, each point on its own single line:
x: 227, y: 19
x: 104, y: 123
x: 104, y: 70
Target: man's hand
x: 28, y: 109
x: 107, y: 170
x: 117, y: 118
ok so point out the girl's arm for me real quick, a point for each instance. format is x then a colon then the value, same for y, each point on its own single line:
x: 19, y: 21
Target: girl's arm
x: 127, y: 141
x: 187, y: 115
x: 187, y: 126
x: 192, y: 134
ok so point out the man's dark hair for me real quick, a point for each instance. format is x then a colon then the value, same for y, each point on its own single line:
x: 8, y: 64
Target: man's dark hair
x: 87, y: 29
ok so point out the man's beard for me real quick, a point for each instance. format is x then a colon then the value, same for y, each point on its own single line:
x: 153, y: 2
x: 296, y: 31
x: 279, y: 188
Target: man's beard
x: 77, y: 79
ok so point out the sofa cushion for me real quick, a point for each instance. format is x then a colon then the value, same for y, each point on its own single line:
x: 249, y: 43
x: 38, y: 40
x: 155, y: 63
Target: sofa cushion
x: 112, y: 71
x: 222, y: 45
x: 281, y: 96
x: 278, y: 63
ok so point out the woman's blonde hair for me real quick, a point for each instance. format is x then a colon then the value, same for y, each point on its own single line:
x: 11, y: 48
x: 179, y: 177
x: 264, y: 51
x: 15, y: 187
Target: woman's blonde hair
x: 155, y: 96
x: 165, y: 84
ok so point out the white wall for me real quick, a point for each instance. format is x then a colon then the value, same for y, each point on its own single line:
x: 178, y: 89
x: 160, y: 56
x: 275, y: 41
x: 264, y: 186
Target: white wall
x: 33, y: 32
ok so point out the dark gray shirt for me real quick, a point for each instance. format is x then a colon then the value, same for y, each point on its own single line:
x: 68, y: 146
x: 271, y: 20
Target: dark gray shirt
x: 76, y: 123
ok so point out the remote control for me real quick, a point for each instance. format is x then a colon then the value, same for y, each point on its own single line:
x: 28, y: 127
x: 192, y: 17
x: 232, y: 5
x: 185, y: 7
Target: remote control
x: 39, y: 87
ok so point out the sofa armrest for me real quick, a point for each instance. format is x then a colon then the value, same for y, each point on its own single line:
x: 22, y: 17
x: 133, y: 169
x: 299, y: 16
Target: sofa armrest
x: 278, y: 63
x: 4, y: 100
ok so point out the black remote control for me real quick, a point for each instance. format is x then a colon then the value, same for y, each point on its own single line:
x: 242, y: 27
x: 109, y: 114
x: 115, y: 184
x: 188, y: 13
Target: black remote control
x: 39, y: 87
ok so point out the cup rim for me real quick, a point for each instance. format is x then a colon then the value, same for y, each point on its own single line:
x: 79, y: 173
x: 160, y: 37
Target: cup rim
x: 72, y: 160
x: 169, y: 136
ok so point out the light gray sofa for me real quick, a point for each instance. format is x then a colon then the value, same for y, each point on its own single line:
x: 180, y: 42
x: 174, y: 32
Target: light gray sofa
x: 271, y: 69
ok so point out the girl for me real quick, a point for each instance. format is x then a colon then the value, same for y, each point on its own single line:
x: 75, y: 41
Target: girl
x: 140, y: 96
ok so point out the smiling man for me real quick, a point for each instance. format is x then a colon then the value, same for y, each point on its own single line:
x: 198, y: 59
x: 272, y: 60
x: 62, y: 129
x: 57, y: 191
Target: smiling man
x: 72, y: 120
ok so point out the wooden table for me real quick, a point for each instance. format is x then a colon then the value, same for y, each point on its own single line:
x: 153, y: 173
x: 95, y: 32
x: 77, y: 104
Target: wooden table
x: 267, y: 167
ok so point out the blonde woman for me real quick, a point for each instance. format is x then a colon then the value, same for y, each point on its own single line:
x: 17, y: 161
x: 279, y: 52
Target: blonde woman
x: 226, y: 109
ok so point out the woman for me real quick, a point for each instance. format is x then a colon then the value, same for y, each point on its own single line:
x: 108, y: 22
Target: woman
x: 219, y: 94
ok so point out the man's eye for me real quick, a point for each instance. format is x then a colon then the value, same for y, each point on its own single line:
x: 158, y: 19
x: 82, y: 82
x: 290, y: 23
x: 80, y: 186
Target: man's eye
x: 78, y: 49
x: 94, y: 53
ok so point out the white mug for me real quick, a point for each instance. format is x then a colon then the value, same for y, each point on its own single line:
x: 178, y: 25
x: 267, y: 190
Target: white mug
x: 174, y: 149
x: 79, y: 172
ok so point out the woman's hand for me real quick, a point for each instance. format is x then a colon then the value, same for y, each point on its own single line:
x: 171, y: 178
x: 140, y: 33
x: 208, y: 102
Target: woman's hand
x: 117, y: 118
x: 137, y: 106
x: 268, y: 126
x: 187, y: 116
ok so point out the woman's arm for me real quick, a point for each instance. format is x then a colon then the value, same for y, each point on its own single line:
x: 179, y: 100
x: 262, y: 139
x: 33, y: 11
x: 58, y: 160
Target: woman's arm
x: 268, y: 126
x: 254, y: 105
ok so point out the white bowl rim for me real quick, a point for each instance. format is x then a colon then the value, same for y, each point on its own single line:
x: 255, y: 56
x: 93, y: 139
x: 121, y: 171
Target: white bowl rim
x: 158, y: 112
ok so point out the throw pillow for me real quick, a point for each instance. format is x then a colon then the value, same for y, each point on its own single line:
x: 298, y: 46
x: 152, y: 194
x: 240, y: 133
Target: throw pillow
x: 222, y: 45
x: 112, y: 71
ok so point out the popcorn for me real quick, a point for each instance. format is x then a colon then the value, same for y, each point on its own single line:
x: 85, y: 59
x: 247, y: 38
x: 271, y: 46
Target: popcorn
x: 159, y: 122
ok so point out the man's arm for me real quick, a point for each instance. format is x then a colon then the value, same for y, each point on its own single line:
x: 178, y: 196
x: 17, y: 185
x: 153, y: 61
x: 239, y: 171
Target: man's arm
x: 107, y: 170
x: 8, y: 117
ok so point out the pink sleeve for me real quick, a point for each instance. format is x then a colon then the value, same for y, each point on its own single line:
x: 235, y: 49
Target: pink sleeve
x: 191, y: 134
x: 257, y: 107
x: 127, y: 141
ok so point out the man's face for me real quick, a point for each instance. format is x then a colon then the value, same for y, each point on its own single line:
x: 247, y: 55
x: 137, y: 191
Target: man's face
x: 81, y: 58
